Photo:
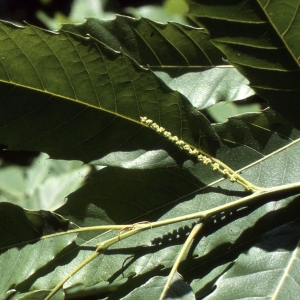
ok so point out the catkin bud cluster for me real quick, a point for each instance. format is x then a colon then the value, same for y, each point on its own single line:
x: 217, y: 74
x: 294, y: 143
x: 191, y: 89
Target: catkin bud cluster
x: 191, y: 150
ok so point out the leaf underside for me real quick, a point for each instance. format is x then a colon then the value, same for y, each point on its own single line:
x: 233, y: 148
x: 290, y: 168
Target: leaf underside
x: 262, y: 42
x: 79, y: 94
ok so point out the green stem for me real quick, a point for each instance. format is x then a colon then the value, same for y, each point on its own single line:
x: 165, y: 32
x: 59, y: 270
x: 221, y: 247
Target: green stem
x: 85, y: 262
x: 191, y: 236
x: 272, y: 193
x: 101, y: 247
x: 134, y: 230
x: 78, y: 230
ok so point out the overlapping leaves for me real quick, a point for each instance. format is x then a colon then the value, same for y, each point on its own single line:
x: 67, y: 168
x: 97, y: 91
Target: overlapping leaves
x: 115, y: 196
x: 75, y: 97
x: 92, y: 85
x: 260, y: 38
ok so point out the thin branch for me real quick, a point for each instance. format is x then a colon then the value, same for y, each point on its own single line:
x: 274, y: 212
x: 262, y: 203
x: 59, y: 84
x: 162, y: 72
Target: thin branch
x: 138, y: 227
x: 85, y: 262
x: 190, y: 238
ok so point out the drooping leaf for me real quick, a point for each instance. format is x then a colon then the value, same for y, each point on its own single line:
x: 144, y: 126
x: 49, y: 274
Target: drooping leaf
x: 189, y: 51
x: 52, y: 83
x: 260, y: 39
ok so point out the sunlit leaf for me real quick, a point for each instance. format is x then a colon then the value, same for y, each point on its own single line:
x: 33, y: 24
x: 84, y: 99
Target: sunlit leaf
x: 268, y: 270
x: 204, y: 89
x: 43, y: 185
x: 119, y: 196
x: 79, y: 94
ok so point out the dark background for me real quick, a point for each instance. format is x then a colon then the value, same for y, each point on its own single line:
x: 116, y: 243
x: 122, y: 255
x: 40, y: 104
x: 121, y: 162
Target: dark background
x: 25, y: 10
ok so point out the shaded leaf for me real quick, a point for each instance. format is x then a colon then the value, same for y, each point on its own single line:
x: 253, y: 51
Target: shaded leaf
x: 119, y: 196
x: 178, y: 289
x: 261, y: 43
x: 148, y: 42
x: 263, y: 144
x: 52, y: 82
x: 189, y: 50
x: 252, y: 137
x: 24, y: 251
x: 206, y: 284
x: 35, y: 224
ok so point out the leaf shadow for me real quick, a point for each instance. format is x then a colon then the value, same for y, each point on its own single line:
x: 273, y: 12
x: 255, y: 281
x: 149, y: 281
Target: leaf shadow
x: 176, y: 237
x: 64, y: 257
x: 126, y: 196
x: 201, y: 266
x: 228, y: 252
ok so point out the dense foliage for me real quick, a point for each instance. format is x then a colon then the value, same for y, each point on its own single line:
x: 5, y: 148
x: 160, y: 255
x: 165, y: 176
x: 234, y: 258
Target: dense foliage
x: 175, y: 206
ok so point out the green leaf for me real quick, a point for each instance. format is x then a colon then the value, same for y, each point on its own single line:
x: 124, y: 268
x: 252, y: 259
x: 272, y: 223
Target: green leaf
x: 204, y: 285
x: 37, y: 295
x: 77, y: 96
x: 52, y: 82
x: 25, y: 248
x: 43, y: 185
x: 268, y: 270
x: 254, y: 137
x: 148, y: 42
x: 35, y: 224
x: 156, y: 13
x: 120, y: 196
x: 222, y: 111
x: 209, y: 87
x: 79, y: 12
x: 261, y: 43
x: 178, y: 289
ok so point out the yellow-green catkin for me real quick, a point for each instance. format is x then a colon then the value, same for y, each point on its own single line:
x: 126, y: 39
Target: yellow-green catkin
x: 201, y: 157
